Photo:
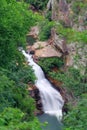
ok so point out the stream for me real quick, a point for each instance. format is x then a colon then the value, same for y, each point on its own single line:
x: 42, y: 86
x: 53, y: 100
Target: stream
x: 51, y: 99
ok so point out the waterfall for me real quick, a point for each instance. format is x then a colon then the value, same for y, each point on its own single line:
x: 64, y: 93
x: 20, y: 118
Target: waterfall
x: 51, y: 99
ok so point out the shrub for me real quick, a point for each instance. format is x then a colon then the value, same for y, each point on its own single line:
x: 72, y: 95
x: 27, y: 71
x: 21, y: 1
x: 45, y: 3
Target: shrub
x: 48, y: 64
x: 71, y: 35
x: 38, y: 4
x: 12, y: 119
x: 45, y: 29
x: 15, y: 22
x: 78, y: 6
x: 6, y: 92
x: 73, y: 80
x: 14, y: 93
x: 76, y: 119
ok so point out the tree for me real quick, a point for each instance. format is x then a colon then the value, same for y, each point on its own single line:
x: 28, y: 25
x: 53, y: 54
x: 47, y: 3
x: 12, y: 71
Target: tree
x: 15, y: 21
x: 13, y: 93
x: 12, y: 119
x: 38, y: 4
x: 76, y: 119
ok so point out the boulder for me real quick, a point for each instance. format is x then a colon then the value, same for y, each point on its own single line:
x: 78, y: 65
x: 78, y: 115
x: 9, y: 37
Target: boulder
x: 34, y: 93
x: 34, y: 32
x: 47, y: 51
x: 59, y: 43
x: 44, y: 49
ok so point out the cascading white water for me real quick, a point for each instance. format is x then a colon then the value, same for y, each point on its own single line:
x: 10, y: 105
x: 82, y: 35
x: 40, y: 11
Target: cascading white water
x: 51, y: 99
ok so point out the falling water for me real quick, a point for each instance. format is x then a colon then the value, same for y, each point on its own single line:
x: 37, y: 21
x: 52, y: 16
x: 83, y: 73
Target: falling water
x: 51, y: 99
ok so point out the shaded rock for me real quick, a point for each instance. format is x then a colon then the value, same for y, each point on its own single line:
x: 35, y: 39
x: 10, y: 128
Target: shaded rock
x: 59, y: 43
x: 34, y: 93
x: 63, y: 6
x: 60, y: 11
x: 32, y: 52
x: 53, y: 6
x: 64, y: 13
x: 34, y: 32
x: 32, y: 36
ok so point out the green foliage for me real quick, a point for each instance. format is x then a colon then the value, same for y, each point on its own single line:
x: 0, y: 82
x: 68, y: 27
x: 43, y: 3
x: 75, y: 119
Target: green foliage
x: 48, y: 15
x: 45, y: 29
x: 48, y: 64
x: 69, y: 1
x: 6, y: 92
x: 73, y: 80
x: 38, y: 4
x: 21, y: 74
x: 15, y: 21
x: 12, y: 119
x: 77, y: 7
x: 13, y: 90
x: 72, y: 35
x: 24, y: 74
x: 76, y: 119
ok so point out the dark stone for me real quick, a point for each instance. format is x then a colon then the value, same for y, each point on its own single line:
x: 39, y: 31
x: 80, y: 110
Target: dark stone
x: 32, y: 52
x: 36, y: 95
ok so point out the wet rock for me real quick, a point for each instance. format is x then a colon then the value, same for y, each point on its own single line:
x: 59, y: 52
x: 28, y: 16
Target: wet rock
x: 32, y: 52
x: 34, y: 93
x: 38, y: 112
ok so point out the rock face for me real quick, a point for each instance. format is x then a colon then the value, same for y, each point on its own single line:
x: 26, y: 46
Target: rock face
x: 34, y: 32
x: 44, y: 49
x: 34, y: 93
x: 60, y: 11
x: 54, y: 47
x: 47, y: 51
x: 59, y: 43
x: 78, y: 56
x: 53, y: 6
